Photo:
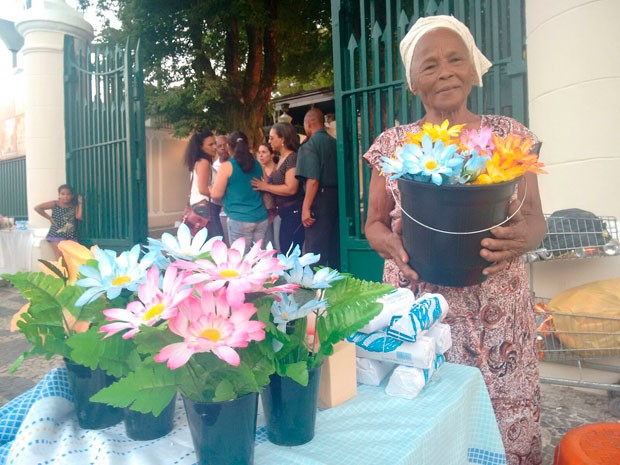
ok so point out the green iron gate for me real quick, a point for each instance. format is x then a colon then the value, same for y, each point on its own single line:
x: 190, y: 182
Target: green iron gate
x: 371, y: 91
x: 13, y: 196
x: 104, y: 120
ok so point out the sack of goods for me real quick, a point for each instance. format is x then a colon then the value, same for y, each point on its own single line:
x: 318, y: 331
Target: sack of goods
x: 407, y: 339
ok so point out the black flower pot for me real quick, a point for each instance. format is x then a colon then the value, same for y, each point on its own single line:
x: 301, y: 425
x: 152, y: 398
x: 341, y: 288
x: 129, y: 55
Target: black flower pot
x: 85, y: 383
x: 146, y: 426
x: 290, y: 409
x: 223, y: 432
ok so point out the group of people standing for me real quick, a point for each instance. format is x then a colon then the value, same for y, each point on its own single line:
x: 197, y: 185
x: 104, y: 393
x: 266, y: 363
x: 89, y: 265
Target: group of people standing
x: 285, y: 183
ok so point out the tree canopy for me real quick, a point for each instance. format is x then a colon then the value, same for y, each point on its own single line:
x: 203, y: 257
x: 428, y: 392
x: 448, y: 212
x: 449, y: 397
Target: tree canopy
x: 216, y: 63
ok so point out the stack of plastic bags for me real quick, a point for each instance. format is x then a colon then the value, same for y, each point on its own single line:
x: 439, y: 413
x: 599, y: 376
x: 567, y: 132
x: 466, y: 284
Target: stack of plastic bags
x: 406, y: 339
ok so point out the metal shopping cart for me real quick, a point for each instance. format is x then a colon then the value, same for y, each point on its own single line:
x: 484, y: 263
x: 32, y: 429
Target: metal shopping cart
x: 581, y: 340
x: 580, y: 235
x: 584, y: 341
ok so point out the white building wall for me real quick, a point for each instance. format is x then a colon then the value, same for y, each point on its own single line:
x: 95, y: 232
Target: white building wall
x: 167, y: 178
x: 573, y: 59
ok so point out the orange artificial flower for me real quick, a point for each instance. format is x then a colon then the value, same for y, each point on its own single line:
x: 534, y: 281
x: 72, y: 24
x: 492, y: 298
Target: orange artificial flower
x: 74, y: 255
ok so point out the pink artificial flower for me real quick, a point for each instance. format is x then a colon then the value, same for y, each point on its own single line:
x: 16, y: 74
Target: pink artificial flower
x: 230, y: 270
x: 154, y: 305
x: 210, y: 324
x: 481, y: 141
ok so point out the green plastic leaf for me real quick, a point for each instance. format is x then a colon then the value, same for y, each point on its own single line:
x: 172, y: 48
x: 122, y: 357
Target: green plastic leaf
x: 54, y: 269
x: 91, y: 312
x: 149, y: 389
x: 43, y: 323
x: 37, y: 287
x: 352, y: 304
x: 114, y: 355
x: 151, y: 339
x: 298, y: 372
x: 224, y: 391
x: 17, y: 363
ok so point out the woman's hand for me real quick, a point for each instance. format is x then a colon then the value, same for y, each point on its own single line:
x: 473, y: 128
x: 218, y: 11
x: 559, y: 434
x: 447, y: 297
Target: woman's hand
x: 386, y: 241
x: 397, y: 252
x: 521, y: 234
x: 507, y: 242
x: 260, y: 185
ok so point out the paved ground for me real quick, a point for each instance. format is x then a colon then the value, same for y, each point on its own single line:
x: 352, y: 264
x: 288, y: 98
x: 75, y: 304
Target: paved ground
x: 563, y: 408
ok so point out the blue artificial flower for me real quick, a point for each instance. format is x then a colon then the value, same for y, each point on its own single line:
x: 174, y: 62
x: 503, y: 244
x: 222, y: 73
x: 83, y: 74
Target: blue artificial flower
x: 405, y: 161
x: 474, y: 167
x: 437, y: 160
x: 183, y: 246
x: 113, y: 274
x: 324, y: 277
x: 287, y: 309
x: 293, y: 256
x: 306, y: 278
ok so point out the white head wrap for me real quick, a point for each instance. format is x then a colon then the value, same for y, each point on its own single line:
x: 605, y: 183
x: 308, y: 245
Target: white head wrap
x: 424, y: 25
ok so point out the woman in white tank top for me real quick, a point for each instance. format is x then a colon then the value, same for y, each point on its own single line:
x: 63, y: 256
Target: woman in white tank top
x: 199, y: 156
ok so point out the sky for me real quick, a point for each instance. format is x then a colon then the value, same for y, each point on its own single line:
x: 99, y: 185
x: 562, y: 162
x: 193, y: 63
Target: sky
x: 11, y: 10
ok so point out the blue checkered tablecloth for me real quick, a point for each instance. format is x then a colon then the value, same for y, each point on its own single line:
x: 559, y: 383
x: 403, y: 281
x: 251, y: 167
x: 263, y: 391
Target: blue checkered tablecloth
x: 450, y: 422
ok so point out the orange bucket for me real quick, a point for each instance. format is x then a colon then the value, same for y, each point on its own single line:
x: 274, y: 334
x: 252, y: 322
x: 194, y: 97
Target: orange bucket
x: 596, y: 444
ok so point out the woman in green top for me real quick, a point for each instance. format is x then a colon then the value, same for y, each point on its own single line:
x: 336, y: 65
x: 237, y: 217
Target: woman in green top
x: 247, y: 216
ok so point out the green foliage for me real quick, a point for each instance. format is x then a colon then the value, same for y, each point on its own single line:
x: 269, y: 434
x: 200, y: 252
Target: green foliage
x: 351, y: 305
x: 205, y: 378
x: 45, y: 324
x: 151, y: 339
x: 114, y: 355
x: 148, y: 389
x: 214, y: 63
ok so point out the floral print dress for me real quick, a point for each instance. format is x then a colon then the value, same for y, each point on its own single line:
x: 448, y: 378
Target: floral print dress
x: 492, y: 323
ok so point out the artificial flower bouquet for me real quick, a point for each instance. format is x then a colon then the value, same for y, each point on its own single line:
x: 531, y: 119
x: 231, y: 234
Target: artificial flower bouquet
x: 200, y: 318
x: 444, y: 154
x: 327, y: 307
x: 189, y: 318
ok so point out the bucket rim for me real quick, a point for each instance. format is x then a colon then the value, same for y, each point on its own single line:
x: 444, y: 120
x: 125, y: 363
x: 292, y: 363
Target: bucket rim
x: 460, y: 233
x: 430, y: 185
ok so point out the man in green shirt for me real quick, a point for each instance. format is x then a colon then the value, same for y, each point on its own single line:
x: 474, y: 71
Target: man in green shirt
x: 317, y: 169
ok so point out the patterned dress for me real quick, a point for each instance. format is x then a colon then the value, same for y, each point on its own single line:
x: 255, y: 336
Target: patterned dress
x: 492, y: 323
x: 64, y: 225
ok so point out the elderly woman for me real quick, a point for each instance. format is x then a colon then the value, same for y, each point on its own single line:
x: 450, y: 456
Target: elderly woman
x: 492, y: 323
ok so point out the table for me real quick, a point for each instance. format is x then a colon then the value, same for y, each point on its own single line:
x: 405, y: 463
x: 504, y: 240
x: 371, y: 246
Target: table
x: 450, y: 422
x: 15, y: 250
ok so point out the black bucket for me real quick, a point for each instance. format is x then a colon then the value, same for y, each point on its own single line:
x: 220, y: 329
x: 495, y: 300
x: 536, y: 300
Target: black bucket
x: 290, y: 408
x: 146, y: 426
x: 468, y: 210
x: 85, y: 383
x: 223, y: 433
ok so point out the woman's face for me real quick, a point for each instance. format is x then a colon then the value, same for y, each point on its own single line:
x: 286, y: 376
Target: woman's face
x: 264, y: 155
x: 276, y: 141
x: 442, y: 70
x: 209, y: 146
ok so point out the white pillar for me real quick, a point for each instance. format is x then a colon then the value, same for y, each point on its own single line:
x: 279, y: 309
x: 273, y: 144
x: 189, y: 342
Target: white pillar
x: 574, y: 97
x: 43, y: 27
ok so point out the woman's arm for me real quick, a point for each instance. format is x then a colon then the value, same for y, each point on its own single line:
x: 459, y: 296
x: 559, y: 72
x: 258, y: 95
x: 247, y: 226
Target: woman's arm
x: 290, y: 186
x: 203, y: 176
x: 40, y: 209
x: 378, y: 230
x: 523, y: 232
x: 78, y: 208
x: 221, y: 180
